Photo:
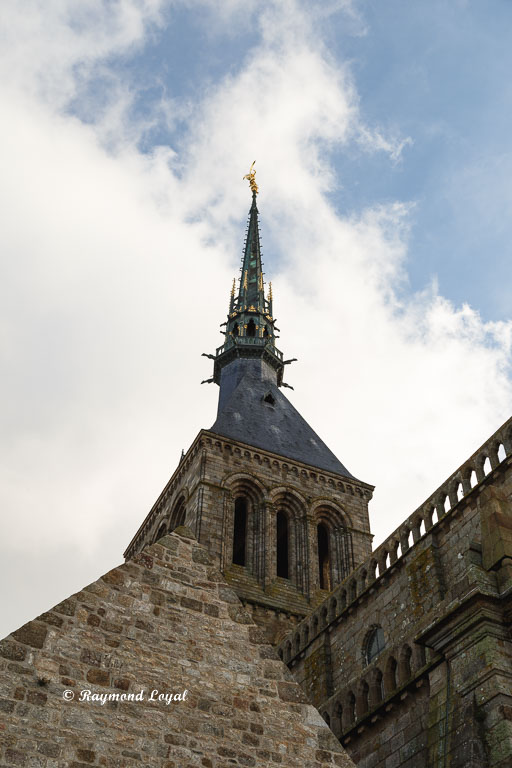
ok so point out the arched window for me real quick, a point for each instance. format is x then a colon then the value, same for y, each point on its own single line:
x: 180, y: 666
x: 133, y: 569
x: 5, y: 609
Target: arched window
x: 251, y: 328
x: 282, y: 545
x: 240, y: 531
x: 375, y: 644
x: 235, y: 329
x: 324, y: 561
x: 161, y: 532
x: 178, y: 514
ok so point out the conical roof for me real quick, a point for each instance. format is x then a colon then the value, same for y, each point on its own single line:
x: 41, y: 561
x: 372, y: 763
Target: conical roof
x: 254, y: 410
x: 249, y: 370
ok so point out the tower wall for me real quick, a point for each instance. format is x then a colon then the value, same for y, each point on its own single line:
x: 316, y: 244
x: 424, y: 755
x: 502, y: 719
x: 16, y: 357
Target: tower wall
x: 215, y: 472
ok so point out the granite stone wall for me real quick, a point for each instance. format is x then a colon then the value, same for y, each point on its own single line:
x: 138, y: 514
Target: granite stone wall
x: 439, y: 691
x: 164, y: 624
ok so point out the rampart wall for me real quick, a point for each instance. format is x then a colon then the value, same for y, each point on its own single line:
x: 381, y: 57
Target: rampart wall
x: 439, y: 588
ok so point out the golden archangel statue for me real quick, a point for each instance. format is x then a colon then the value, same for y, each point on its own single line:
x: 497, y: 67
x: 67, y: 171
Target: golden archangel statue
x: 251, y: 178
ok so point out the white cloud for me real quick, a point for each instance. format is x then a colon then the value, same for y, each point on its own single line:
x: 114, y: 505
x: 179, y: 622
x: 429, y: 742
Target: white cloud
x: 49, y: 46
x: 117, y: 272
x: 374, y: 140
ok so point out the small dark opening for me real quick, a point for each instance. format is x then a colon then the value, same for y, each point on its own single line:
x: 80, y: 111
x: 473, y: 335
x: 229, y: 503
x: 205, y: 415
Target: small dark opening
x: 375, y: 644
x: 235, y: 329
x: 178, y: 514
x: 352, y: 707
x: 239, y: 531
x: 324, y: 564
x: 161, y: 532
x: 282, y: 545
x: 251, y: 328
x: 265, y: 332
x: 269, y: 398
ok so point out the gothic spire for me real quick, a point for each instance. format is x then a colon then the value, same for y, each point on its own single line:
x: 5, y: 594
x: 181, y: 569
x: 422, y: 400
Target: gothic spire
x: 249, y: 367
x: 251, y: 293
x: 250, y: 327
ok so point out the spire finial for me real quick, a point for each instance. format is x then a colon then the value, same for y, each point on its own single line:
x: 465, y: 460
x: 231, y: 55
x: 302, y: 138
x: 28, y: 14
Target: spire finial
x: 251, y: 178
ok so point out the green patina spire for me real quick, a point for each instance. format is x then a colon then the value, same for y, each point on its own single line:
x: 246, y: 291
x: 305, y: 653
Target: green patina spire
x: 251, y: 295
x: 250, y: 327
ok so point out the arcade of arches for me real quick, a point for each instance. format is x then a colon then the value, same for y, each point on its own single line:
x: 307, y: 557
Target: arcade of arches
x: 311, y: 554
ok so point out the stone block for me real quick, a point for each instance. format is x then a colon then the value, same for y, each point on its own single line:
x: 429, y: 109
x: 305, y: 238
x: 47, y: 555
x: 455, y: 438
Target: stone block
x: 33, y: 633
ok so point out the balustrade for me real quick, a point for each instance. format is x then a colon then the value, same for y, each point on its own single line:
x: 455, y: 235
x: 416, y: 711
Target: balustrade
x: 388, y: 552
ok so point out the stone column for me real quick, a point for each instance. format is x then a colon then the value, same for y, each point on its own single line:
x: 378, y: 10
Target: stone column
x: 302, y: 554
x: 269, y: 543
x: 227, y: 530
x: 312, y: 549
x: 336, y: 557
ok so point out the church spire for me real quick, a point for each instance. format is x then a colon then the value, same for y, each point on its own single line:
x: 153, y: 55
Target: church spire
x: 250, y: 327
x: 251, y: 294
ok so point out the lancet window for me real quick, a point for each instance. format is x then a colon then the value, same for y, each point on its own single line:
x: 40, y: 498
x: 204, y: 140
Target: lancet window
x: 282, y: 542
x: 324, y: 556
x: 240, y: 531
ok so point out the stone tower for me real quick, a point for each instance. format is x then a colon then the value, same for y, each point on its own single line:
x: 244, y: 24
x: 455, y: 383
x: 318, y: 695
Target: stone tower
x: 283, y: 517
x: 405, y: 651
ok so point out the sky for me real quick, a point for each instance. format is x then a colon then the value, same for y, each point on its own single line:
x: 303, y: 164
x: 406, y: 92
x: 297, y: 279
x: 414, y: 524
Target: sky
x: 381, y: 133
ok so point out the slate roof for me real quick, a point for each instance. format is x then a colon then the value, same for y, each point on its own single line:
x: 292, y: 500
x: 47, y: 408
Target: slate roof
x: 244, y: 415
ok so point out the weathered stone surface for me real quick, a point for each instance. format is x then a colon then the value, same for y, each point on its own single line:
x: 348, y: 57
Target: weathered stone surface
x: 240, y: 707
x: 33, y: 633
x: 202, y: 493
x: 11, y: 650
x: 442, y: 682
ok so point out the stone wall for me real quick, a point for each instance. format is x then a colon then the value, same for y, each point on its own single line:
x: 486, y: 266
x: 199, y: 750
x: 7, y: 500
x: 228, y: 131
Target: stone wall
x: 440, y: 692
x: 165, y: 621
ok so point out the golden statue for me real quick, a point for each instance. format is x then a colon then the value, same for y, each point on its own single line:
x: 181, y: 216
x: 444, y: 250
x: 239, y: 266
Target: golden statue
x: 251, y: 178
